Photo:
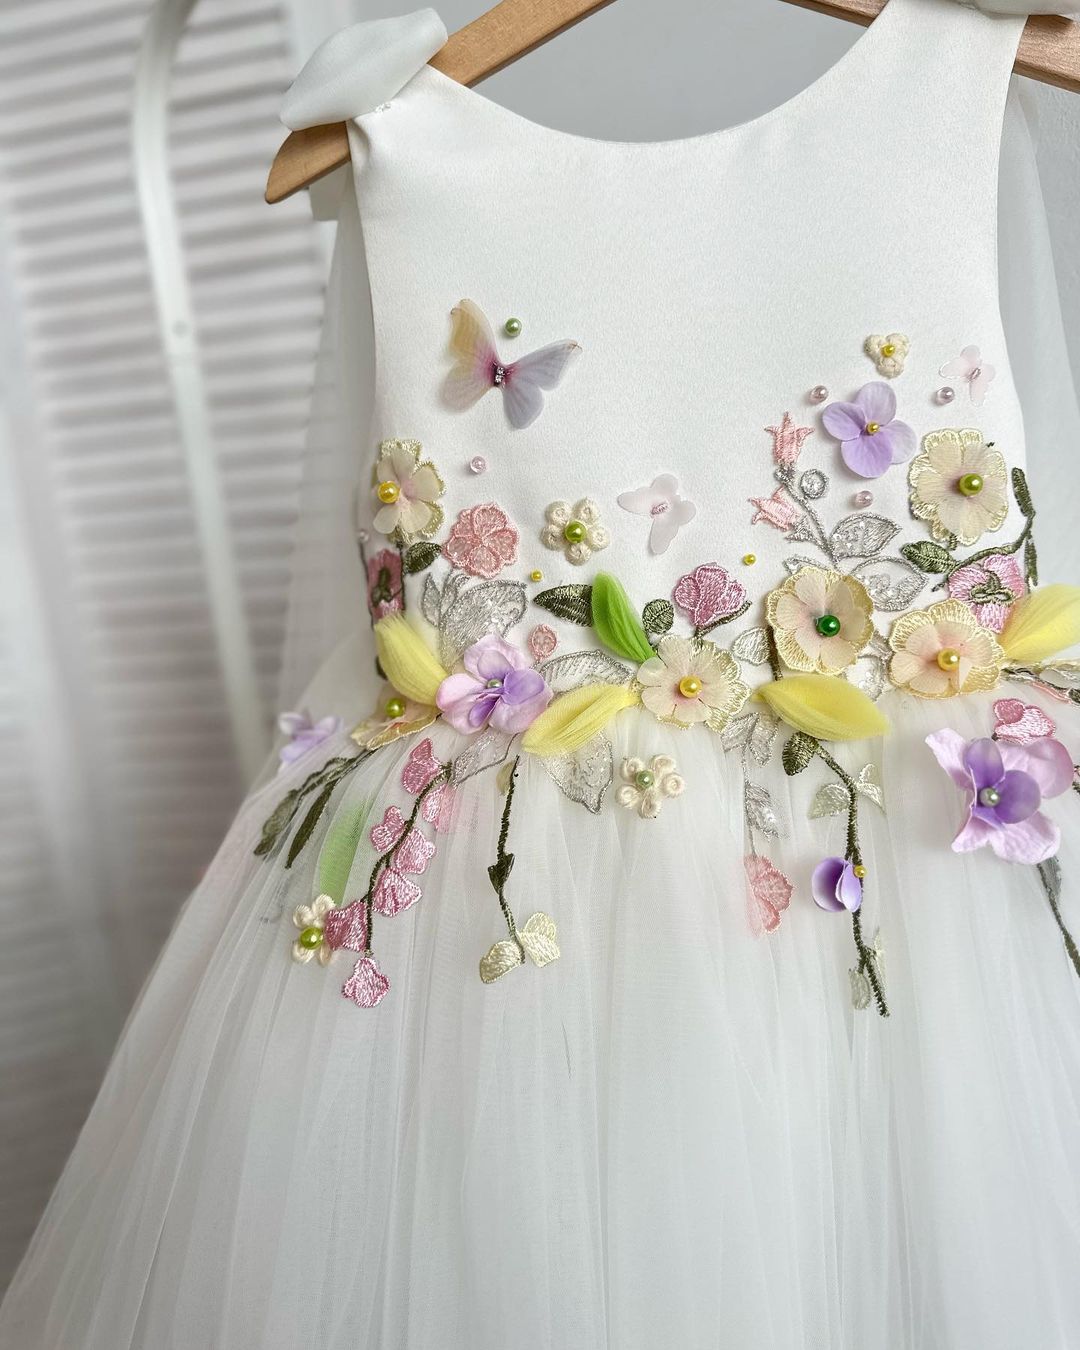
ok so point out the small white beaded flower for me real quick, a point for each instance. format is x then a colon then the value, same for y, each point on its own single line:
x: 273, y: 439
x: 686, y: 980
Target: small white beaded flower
x: 645, y: 786
x: 888, y: 353
x: 574, y: 530
x: 311, y: 920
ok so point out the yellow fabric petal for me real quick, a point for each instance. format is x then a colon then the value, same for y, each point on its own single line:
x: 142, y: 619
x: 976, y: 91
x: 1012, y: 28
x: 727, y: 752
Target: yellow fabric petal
x: 824, y: 706
x: 407, y: 660
x: 576, y: 717
x: 1042, y: 624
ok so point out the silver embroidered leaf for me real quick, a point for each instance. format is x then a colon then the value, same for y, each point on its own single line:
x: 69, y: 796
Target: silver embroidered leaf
x: 892, y: 583
x: 1061, y: 671
x: 814, y: 484
x: 830, y: 800
x: 585, y: 774
x: 861, y: 536
x: 576, y: 669
x: 867, y: 783
x: 796, y: 564
x: 485, y: 751
x: 431, y: 601
x: 489, y: 607
x: 760, y: 812
x: 752, y: 646
x: 763, y: 737
x: 738, y: 731
x: 870, y: 674
x: 861, y: 993
x: 802, y: 532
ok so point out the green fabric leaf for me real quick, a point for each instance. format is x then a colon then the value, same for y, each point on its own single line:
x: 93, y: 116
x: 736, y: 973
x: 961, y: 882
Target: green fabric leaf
x: 927, y: 557
x: 573, y: 603
x: 339, y: 850
x: 419, y: 557
x: 658, y: 616
x: 617, y: 625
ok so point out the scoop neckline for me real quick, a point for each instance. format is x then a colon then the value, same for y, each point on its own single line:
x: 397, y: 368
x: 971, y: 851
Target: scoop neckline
x: 859, y: 50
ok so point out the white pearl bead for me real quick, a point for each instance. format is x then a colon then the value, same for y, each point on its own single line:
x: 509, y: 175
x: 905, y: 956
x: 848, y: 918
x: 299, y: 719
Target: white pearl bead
x: 478, y: 464
x: 945, y: 394
x: 818, y: 394
x: 863, y: 499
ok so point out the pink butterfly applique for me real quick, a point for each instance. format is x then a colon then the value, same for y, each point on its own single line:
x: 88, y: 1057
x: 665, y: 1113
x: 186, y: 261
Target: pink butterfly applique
x: 478, y: 368
x: 970, y: 366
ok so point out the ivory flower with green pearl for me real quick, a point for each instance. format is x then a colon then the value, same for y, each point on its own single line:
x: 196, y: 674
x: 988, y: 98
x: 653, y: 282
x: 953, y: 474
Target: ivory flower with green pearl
x: 690, y: 681
x: 575, y: 531
x: 311, y: 920
x: 820, y: 620
x: 959, y: 485
x: 645, y: 786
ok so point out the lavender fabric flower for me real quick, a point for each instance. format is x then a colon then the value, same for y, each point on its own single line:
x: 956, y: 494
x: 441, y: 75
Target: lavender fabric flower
x: 871, y: 439
x: 499, y: 688
x: 304, y: 735
x: 835, y: 886
x: 1004, y: 785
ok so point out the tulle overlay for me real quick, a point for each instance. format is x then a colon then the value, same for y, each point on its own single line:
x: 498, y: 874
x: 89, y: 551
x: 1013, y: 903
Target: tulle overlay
x: 678, y: 1133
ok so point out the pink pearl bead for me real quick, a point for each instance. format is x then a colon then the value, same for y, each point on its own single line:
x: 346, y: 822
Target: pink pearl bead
x: 478, y: 464
x: 818, y: 394
x: 945, y: 394
x: 863, y: 499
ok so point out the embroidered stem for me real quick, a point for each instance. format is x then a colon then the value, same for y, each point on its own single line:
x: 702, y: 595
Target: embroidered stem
x: 499, y: 870
x: 1050, y: 876
x: 701, y: 629
x: 787, y: 478
x: 329, y: 776
x: 775, y: 668
x: 383, y: 861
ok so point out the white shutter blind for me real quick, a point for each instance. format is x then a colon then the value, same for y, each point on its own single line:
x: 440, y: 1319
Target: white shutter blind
x: 117, y: 771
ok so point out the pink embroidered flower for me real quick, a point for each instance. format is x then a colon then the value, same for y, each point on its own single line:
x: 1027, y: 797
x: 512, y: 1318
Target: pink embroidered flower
x: 542, y: 642
x: 384, y: 583
x: 347, y: 928
x: 1021, y: 722
x: 788, y: 440
x: 871, y: 438
x: 367, y: 986
x: 776, y: 511
x: 420, y: 768
x: 394, y: 891
x: 1004, y: 785
x: 989, y: 586
x: 304, y: 735
x: 835, y: 886
x: 708, y: 593
x: 482, y: 541
x: 770, y: 894
x: 499, y: 687
x: 660, y: 501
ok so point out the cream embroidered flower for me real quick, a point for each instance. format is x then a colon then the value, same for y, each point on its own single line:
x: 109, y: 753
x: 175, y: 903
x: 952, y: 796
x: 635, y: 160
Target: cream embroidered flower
x: 820, y: 619
x: 392, y: 717
x: 959, y: 485
x: 646, y: 785
x: 311, y: 920
x: 943, y: 650
x: 574, y: 530
x: 408, y: 491
x: 888, y: 353
x: 690, y: 681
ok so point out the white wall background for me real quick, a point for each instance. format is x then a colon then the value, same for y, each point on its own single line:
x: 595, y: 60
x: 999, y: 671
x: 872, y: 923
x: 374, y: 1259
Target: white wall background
x: 117, y: 773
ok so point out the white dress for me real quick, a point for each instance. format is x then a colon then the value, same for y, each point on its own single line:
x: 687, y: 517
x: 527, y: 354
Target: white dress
x: 662, y: 582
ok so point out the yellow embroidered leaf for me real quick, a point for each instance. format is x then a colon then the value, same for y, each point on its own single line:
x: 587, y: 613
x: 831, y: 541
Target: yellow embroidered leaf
x: 1042, y: 624
x: 538, y: 939
x: 407, y: 660
x: 575, y: 717
x: 824, y: 706
x: 504, y: 956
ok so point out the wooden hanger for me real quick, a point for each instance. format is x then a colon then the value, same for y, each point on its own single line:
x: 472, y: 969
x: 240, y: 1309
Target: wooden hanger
x: 1049, y: 51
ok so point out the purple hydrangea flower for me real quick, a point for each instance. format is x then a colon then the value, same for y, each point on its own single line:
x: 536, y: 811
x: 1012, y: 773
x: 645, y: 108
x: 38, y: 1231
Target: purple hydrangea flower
x: 303, y: 734
x: 835, y: 885
x: 870, y: 436
x: 499, y: 688
x: 1004, y: 785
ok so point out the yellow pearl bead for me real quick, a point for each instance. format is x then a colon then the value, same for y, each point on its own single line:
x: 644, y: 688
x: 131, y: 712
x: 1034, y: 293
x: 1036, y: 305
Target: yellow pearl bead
x: 689, y: 686
x: 859, y: 870
x: 749, y: 559
x: 872, y: 428
x: 888, y: 349
x: 536, y: 575
x: 388, y: 492
x: 948, y: 658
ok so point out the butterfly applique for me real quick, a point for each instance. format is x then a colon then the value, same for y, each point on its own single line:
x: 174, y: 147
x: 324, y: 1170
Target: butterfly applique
x: 970, y: 366
x: 478, y: 368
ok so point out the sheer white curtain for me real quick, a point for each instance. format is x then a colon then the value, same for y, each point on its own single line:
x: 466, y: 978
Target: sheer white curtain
x: 118, y: 774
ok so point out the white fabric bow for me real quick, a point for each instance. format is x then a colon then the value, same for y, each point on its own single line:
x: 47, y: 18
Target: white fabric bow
x: 355, y: 70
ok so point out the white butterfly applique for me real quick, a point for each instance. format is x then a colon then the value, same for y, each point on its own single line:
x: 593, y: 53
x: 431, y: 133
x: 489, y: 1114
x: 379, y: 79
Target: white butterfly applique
x: 478, y: 368
x: 970, y: 366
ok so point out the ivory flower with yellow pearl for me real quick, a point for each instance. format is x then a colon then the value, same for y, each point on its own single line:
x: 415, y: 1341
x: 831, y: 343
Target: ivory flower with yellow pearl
x: 407, y: 491
x: 820, y: 620
x: 959, y: 485
x: 691, y: 681
x: 942, y: 651
x: 888, y: 353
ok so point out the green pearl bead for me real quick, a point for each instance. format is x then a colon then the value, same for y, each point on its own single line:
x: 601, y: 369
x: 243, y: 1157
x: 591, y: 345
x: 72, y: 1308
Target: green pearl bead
x: 574, y: 532
x: 970, y: 484
x: 644, y: 779
x: 828, y: 625
x: 395, y: 708
x: 512, y: 327
x: 311, y: 938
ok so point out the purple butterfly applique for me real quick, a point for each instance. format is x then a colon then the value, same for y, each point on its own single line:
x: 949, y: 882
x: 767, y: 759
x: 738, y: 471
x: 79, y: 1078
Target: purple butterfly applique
x: 478, y: 368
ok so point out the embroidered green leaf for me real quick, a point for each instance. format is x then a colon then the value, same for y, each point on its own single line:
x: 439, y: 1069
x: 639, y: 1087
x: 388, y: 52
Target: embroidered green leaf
x: 419, y: 557
x: 798, y: 752
x: 339, y: 851
x: 307, y: 825
x: 1022, y: 493
x: 499, y: 872
x: 281, y: 818
x: 617, y: 625
x: 573, y: 603
x: 657, y: 617
x: 1031, y: 563
x: 926, y: 556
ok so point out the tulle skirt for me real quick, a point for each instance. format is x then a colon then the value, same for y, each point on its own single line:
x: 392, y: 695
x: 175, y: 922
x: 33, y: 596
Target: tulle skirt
x: 679, y: 1133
